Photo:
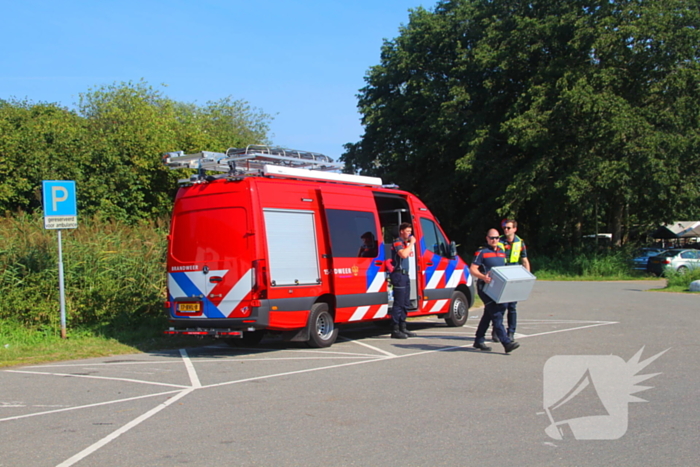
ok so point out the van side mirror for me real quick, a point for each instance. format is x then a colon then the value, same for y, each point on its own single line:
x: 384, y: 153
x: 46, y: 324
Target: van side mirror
x: 453, y: 250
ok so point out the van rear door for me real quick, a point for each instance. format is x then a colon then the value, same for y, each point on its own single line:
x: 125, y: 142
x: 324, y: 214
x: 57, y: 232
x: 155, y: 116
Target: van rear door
x: 209, y: 258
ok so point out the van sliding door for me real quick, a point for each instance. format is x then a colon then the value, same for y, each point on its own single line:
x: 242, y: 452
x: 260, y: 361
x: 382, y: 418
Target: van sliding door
x: 357, y: 254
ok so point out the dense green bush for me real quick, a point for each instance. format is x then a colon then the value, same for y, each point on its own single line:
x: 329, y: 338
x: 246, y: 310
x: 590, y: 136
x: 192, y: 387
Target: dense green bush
x: 114, y: 273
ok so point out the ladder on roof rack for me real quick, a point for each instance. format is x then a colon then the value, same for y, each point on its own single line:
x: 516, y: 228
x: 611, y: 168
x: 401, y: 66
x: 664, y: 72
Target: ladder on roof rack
x: 250, y: 159
x: 263, y: 160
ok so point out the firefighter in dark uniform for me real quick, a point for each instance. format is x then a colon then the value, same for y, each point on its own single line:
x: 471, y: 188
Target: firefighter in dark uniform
x: 401, y: 250
x: 485, y: 259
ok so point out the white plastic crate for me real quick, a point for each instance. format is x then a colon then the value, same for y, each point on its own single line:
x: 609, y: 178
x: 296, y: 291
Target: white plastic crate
x: 510, y: 284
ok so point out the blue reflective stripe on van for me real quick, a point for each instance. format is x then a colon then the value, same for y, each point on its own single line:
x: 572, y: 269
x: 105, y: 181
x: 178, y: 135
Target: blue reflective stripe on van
x: 190, y: 290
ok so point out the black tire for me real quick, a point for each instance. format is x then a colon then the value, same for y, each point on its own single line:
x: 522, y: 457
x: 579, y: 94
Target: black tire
x: 249, y: 339
x: 322, y: 330
x: 459, y: 310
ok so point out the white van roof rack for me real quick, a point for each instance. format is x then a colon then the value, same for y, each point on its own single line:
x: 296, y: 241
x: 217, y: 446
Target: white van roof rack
x: 263, y: 160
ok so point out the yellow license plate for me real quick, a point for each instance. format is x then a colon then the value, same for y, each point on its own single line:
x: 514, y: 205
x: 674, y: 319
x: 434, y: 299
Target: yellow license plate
x: 189, y: 307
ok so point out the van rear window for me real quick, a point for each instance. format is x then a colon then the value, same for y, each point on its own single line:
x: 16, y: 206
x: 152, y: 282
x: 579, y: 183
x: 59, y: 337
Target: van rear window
x: 209, y: 234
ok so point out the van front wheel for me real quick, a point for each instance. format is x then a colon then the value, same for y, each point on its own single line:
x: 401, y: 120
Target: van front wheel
x: 322, y: 330
x: 459, y: 310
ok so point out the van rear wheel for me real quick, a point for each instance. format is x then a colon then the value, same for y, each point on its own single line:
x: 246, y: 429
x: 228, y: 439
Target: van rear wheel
x: 322, y: 330
x: 459, y: 310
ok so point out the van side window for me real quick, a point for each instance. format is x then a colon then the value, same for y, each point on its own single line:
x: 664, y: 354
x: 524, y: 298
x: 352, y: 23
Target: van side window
x: 434, y: 240
x: 353, y: 233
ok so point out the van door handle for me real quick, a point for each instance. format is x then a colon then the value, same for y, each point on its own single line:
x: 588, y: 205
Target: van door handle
x: 430, y: 263
x: 378, y: 263
x: 215, y: 279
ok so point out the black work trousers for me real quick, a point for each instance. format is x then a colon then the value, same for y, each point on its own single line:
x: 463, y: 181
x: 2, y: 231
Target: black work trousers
x: 402, y: 296
x: 493, y: 313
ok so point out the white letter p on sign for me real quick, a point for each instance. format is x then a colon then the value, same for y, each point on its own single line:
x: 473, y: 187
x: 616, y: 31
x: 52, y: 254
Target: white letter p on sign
x: 56, y: 198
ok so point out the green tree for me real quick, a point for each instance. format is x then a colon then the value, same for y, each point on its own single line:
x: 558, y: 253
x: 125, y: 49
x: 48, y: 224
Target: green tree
x: 113, y: 145
x: 37, y: 142
x: 131, y: 125
x: 572, y: 116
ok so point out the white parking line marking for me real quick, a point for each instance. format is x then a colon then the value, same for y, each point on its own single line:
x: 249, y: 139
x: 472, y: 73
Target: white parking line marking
x: 388, y: 354
x: 325, y: 352
x: 287, y: 373
x: 114, y: 435
x: 279, y: 359
x: 78, y: 407
x: 79, y: 365
x: 606, y: 323
x: 248, y: 358
x: 127, y: 380
x: 194, y: 379
x: 559, y: 321
x: 196, y: 384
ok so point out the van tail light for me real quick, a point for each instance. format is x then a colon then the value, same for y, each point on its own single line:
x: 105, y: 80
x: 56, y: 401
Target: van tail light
x: 259, y: 279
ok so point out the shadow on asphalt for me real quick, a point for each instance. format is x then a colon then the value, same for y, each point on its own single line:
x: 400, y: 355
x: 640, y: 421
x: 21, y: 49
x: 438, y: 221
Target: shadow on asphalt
x: 274, y: 343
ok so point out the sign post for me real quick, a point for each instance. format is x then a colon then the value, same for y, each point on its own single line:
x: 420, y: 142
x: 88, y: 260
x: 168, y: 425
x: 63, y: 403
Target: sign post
x: 60, y: 212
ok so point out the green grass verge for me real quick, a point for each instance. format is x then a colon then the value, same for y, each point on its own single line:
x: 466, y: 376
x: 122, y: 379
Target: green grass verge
x: 20, y: 345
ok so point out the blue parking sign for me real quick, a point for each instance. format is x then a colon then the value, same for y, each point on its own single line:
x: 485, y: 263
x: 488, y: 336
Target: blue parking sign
x: 60, y: 204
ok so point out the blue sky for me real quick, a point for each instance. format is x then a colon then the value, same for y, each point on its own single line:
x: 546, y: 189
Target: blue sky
x: 301, y: 61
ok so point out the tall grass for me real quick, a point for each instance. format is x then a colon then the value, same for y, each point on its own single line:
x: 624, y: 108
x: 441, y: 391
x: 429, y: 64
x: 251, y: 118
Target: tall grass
x: 114, y: 274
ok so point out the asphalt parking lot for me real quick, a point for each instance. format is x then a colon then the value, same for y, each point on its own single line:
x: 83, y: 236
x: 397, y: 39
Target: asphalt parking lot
x: 369, y: 400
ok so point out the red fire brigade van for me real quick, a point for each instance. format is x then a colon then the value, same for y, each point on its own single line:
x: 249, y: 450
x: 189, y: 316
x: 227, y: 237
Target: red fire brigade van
x: 283, y: 242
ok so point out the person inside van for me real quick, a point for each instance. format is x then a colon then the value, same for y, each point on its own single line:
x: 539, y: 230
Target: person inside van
x: 368, y: 249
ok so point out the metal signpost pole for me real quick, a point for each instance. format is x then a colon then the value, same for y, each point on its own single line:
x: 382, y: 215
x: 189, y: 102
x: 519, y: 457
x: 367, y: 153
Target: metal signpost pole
x: 60, y: 212
x: 61, y: 288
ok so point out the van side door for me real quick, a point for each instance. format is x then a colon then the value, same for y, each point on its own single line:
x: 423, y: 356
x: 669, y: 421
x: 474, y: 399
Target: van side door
x: 357, y: 254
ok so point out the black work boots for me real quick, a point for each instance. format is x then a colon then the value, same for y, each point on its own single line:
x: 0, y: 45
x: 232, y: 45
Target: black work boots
x: 396, y: 332
x: 405, y: 330
x: 399, y: 331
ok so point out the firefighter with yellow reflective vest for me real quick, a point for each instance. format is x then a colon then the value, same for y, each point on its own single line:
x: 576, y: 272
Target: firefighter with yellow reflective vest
x: 516, y: 253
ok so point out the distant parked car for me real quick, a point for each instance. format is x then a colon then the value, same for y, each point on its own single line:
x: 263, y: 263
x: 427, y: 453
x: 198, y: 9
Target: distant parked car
x: 642, y: 255
x: 674, y: 260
